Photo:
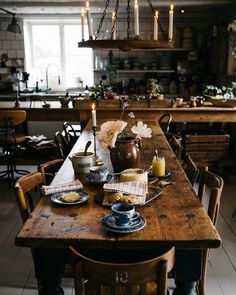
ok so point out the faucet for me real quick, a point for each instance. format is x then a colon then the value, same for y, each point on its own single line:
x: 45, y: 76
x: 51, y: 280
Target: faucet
x: 47, y: 70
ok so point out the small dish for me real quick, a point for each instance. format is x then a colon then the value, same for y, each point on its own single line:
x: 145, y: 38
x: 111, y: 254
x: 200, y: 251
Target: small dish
x: 56, y: 198
x: 90, y: 179
x: 108, y: 223
x: 167, y: 174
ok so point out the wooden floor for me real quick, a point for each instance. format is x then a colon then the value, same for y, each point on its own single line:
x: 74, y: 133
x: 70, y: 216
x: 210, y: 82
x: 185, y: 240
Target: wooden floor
x: 16, y: 267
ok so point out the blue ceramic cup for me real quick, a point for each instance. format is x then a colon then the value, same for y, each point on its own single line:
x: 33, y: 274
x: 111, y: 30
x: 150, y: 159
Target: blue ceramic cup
x: 124, y: 214
x: 99, y: 173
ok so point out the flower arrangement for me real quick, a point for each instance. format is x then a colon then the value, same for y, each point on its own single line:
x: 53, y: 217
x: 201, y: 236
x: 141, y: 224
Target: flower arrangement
x: 112, y: 130
x: 228, y: 92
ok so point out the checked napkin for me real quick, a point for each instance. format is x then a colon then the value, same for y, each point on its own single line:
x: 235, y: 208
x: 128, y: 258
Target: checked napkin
x: 51, y: 189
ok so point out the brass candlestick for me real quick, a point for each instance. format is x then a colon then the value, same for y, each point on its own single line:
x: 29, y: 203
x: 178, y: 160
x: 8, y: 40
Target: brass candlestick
x: 94, y: 138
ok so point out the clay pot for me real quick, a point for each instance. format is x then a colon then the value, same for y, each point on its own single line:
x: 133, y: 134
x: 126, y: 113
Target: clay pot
x: 125, y: 154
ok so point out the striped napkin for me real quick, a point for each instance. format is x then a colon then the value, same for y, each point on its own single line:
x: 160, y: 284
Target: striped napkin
x: 138, y: 188
x: 51, y: 189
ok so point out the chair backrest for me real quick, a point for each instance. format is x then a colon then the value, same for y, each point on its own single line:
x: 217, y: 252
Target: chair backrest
x: 122, y: 274
x: 63, y: 146
x: 190, y: 169
x: 165, y: 121
x: 70, y: 133
x: 25, y: 188
x: 176, y: 147
x: 214, y: 185
x: 49, y: 170
x: 170, y: 135
x: 14, y: 117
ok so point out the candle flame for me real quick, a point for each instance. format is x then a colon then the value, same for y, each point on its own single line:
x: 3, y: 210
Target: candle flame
x: 93, y: 106
x: 156, y: 14
x: 87, y: 4
x: 82, y: 11
x: 113, y: 14
x: 136, y: 3
x: 171, y: 7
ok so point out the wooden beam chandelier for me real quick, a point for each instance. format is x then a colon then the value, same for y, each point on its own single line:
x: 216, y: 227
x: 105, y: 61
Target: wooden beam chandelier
x: 128, y: 43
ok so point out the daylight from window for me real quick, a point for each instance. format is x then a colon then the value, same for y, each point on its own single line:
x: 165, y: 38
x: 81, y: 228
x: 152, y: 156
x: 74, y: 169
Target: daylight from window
x: 53, y: 59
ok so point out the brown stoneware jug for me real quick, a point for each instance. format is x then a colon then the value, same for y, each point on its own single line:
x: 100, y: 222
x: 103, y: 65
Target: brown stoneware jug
x: 125, y: 154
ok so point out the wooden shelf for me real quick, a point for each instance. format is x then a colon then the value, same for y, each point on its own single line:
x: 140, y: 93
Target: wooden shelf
x: 139, y: 71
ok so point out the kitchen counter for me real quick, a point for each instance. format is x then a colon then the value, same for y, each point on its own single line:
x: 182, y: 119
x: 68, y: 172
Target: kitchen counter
x: 108, y: 109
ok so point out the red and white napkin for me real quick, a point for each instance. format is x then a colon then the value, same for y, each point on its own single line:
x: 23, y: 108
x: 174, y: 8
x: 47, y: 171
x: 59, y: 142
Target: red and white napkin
x: 51, y: 189
x: 138, y: 188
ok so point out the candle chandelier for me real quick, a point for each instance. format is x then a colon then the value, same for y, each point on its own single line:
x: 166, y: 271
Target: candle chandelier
x: 127, y: 43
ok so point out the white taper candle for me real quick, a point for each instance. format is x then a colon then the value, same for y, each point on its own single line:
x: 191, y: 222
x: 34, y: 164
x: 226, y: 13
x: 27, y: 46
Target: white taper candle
x: 94, y: 118
x: 136, y: 18
x: 82, y: 24
x: 89, y: 21
x: 114, y: 24
x: 171, y: 20
x: 156, y: 25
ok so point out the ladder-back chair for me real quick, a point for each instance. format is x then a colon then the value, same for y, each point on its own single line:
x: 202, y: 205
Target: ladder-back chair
x: 214, y: 185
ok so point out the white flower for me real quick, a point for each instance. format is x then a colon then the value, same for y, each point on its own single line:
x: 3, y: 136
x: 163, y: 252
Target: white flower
x: 131, y: 115
x: 109, y: 132
x: 142, y: 130
x: 232, y: 26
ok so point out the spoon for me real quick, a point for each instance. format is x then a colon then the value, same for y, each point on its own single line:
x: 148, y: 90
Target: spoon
x: 87, y: 146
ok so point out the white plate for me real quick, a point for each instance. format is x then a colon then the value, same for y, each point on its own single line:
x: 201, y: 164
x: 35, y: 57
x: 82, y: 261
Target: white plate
x: 56, y: 198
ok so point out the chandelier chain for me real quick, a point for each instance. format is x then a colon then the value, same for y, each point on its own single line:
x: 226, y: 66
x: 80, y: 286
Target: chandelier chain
x: 150, y: 4
x: 102, y: 19
x: 128, y: 19
x: 153, y: 11
x: 116, y: 11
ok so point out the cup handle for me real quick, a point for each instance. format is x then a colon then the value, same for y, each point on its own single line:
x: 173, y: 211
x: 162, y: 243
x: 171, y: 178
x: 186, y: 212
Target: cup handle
x: 135, y: 216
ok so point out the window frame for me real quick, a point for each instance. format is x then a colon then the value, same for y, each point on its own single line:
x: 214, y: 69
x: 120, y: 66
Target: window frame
x: 29, y: 22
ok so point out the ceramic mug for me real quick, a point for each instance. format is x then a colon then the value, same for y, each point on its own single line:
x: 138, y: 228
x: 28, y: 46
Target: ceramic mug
x: 124, y: 213
x: 99, y: 173
x: 82, y: 163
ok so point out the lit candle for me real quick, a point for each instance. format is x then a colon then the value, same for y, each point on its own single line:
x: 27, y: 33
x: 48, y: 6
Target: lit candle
x: 94, y: 119
x: 114, y: 25
x: 171, y: 16
x: 136, y: 19
x: 89, y: 21
x: 156, y: 25
x: 82, y: 24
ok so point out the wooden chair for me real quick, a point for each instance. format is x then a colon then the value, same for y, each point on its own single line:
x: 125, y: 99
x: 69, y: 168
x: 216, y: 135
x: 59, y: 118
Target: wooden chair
x: 11, y: 139
x: 49, y: 170
x: 70, y: 133
x: 214, y: 185
x: 165, y: 121
x: 63, y: 147
x: 190, y: 169
x: 170, y: 135
x: 116, y: 275
x: 28, y: 193
x: 176, y: 147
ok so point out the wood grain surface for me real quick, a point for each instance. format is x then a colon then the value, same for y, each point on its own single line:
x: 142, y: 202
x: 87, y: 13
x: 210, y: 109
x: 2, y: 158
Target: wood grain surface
x: 176, y: 218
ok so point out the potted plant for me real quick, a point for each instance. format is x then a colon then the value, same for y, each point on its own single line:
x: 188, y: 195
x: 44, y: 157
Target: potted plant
x: 154, y: 89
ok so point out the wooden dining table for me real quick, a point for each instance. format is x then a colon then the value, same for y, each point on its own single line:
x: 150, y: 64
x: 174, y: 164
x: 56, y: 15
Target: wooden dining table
x: 175, y: 218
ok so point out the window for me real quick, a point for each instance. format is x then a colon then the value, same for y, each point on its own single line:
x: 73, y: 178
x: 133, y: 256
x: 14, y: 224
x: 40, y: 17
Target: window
x: 53, y: 58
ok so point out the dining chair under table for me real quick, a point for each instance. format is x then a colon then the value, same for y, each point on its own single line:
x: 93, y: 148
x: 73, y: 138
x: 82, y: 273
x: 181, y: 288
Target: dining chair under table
x: 210, y: 191
x: 28, y: 193
x: 120, y: 274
